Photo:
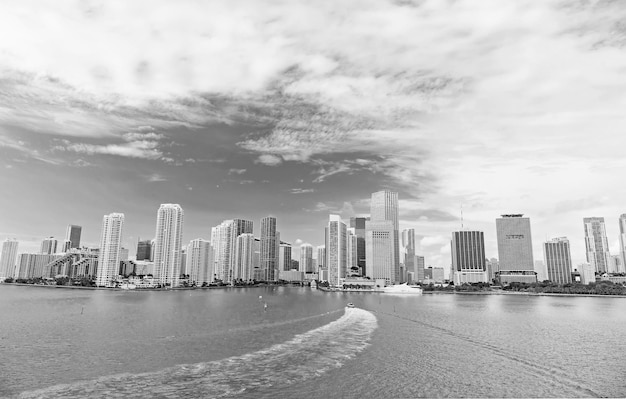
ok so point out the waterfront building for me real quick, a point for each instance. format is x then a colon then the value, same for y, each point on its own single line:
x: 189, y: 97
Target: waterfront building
x: 67, y: 246
x: 144, y: 250
x: 418, y: 272
x: 284, y: 256
x: 358, y: 224
x: 540, y: 269
x: 306, y: 258
x: 292, y: 276
x: 168, y: 244
x: 515, y: 250
x: 587, y: 273
x: 622, y: 241
x: 32, y: 265
x: 220, y: 241
x: 407, y: 254
x: 493, y: 268
x: 199, y: 262
x: 352, y: 267
x: 336, y: 250
x: 144, y: 268
x: 48, y: 246
x: 434, y: 275
x: 321, y: 257
x: 558, y: 260
x: 270, y: 244
x: 183, y: 264
x: 616, y: 265
x: 596, y: 244
x: 109, y: 253
x: 384, y: 207
x: 72, y: 234
x: 244, y: 257
x: 380, y: 254
x: 468, y: 257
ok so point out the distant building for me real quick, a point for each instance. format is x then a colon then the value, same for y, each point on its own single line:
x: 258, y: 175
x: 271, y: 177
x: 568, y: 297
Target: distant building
x: 418, y: 272
x: 597, y: 244
x: 407, y: 254
x: 587, y: 273
x: 223, y: 240
x: 515, y: 249
x: 244, y: 257
x: 336, y: 250
x: 72, y: 234
x: 384, y: 207
x: 622, y: 240
x: 468, y: 257
x: 321, y: 256
x: 380, y: 254
x: 540, y: 269
x: 168, y: 244
x: 144, y: 249
x: 199, y: 262
x: 270, y: 244
x: 493, y: 268
x: 358, y: 224
x: 352, y: 241
x: 558, y: 260
x: 32, y: 265
x: 291, y: 275
x: 110, y: 244
x: 616, y: 265
x: 48, y: 246
x: 284, y: 256
x: 306, y: 258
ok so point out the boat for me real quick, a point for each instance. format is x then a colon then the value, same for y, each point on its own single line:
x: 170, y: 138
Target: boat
x: 402, y: 289
x: 350, y: 305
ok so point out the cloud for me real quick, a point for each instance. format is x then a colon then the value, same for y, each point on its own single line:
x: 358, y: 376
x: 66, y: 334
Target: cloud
x: 236, y: 171
x: 269, y: 160
x: 301, y: 190
x: 155, y: 177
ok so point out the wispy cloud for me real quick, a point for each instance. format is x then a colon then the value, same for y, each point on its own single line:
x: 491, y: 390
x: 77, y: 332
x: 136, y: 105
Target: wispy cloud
x: 236, y: 171
x: 301, y: 190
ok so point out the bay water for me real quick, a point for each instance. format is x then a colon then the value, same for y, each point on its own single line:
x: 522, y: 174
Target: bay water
x: 298, y: 342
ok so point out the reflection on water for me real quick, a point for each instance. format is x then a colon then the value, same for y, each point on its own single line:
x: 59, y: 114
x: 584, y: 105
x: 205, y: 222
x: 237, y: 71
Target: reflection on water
x: 223, y: 343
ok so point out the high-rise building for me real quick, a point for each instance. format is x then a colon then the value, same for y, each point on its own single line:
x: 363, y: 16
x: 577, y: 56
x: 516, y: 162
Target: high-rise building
x: 383, y: 207
x: 244, y: 257
x: 144, y: 249
x: 321, y: 256
x: 32, y: 265
x: 418, y: 271
x: 515, y: 249
x: 306, y: 258
x: 284, y: 256
x: 110, y: 244
x: 380, y: 254
x: 587, y: 273
x: 468, y: 257
x: 168, y: 244
x: 270, y: 244
x: 558, y: 260
x: 336, y: 250
x: 616, y: 265
x: 407, y: 254
x: 352, y: 268
x: 358, y: 224
x: 72, y: 234
x: 622, y: 240
x: 8, y: 257
x: 67, y: 246
x: 224, y: 241
x: 597, y: 244
x: 48, y: 246
x: 199, y: 262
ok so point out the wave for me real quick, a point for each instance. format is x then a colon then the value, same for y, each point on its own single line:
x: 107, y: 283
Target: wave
x: 303, y: 357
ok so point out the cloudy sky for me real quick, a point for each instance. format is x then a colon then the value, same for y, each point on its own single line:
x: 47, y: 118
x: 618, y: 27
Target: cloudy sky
x: 298, y: 109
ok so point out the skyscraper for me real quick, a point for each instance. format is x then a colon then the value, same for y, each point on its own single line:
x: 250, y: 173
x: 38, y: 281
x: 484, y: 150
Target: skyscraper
x: 199, y: 262
x: 408, y: 250
x: 110, y: 244
x: 284, y: 256
x: 306, y: 258
x: 72, y: 234
x: 8, y: 257
x: 168, y: 244
x: 597, y: 244
x: 244, y: 257
x: 321, y: 256
x: 622, y: 239
x: 48, y: 246
x: 224, y: 241
x: 352, y: 242
x: 379, y: 251
x: 558, y: 260
x: 358, y: 224
x: 515, y: 249
x: 269, y: 247
x: 144, y: 249
x: 384, y: 207
x: 336, y: 250
x: 468, y: 257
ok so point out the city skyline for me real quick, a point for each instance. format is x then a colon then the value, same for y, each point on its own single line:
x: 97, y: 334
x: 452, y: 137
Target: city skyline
x: 256, y: 108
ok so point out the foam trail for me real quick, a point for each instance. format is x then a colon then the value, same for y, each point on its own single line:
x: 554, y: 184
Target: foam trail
x: 305, y: 356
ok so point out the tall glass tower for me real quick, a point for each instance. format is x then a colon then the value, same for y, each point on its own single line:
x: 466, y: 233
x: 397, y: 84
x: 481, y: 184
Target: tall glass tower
x: 168, y: 244
x: 597, y: 244
x: 110, y: 244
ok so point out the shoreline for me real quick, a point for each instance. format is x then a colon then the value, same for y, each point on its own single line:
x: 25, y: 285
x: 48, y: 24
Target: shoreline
x: 78, y: 287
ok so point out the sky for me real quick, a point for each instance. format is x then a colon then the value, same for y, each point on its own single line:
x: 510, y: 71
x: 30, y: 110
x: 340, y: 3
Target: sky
x: 300, y: 109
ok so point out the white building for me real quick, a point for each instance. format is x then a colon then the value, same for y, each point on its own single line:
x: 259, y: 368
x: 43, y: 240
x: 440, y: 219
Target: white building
x: 306, y: 258
x: 199, y: 262
x: 596, y: 244
x: 284, y: 256
x: 380, y: 261
x: 336, y: 250
x: 270, y: 244
x: 353, y: 257
x: 587, y: 273
x: 468, y: 257
x: 245, y: 247
x: 224, y: 241
x: 515, y: 249
x: 110, y: 244
x: 558, y: 260
x: 321, y: 257
x: 168, y: 243
x: 49, y: 246
x: 8, y: 256
x: 384, y: 207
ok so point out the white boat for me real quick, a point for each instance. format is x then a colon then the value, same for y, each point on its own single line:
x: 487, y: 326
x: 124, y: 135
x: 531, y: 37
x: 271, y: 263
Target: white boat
x: 128, y: 286
x: 402, y: 289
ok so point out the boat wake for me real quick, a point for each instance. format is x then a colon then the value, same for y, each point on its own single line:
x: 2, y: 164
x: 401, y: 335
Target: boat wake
x: 305, y: 356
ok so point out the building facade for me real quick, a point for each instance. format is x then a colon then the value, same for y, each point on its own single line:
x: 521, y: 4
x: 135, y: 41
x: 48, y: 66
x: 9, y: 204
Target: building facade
x: 270, y: 244
x: 284, y: 256
x: 144, y: 250
x: 596, y: 244
x: 72, y: 234
x: 199, y: 262
x: 306, y: 258
x: 109, y: 253
x: 515, y: 250
x: 384, y: 207
x: 168, y: 244
x: 8, y: 258
x: 558, y: 260
x: 358, y: 224
x: 336, y: 250
x: 380, y: 254
x: 468, y: 257
x: 48, y: 246
x: 244, y: 257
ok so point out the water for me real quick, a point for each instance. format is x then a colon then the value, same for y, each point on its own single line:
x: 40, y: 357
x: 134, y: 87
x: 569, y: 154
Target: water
x: 223, y: 343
